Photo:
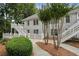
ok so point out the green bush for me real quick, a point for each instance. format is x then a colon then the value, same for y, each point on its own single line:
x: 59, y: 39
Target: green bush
x: 19, y: 46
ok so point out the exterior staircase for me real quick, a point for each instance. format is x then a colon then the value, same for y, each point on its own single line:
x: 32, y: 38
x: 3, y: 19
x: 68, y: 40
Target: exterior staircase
x: 70, y: 32
x: 19, y: 28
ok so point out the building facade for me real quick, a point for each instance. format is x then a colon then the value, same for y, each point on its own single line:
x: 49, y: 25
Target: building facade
x: 34, y: 28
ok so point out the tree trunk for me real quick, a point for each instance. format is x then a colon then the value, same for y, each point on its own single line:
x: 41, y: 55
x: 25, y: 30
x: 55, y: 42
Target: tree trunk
x: 53, y: 35
x: 58, y: 36
x: 61, y: 26
x: 43, y: 29
x: 47, y: 33
x: 58, y: 40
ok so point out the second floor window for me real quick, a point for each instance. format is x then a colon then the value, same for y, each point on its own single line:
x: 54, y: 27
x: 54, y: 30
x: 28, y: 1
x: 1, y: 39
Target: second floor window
x: 67, y: 19
x: 28, y: 22
x: 35, y: 22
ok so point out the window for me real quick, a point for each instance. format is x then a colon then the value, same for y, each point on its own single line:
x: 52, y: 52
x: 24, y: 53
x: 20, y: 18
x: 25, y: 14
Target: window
x: 35, y: 22
x: 36, y: 31
x: 28, y: 31
x: 28, y: 22
x: 67, y: 19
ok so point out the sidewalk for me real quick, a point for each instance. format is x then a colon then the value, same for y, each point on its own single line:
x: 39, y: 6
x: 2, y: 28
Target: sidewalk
x: 39, y: 52
x: 71, y: 48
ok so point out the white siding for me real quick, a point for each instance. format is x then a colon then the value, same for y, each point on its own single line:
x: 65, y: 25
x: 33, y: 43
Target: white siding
x: 32, y: 27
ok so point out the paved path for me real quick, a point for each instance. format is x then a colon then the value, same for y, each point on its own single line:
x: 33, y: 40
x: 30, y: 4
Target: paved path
x: 71, y: 48
x: 39, y: 52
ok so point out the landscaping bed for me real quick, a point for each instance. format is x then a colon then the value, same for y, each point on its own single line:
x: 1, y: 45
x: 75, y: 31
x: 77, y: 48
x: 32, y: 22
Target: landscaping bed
x: 3, y: 51
x: 51, y: 50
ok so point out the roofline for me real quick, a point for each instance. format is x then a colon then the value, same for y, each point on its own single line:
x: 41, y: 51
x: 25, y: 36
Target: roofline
x: 73, y: 11
x: 30, y: 17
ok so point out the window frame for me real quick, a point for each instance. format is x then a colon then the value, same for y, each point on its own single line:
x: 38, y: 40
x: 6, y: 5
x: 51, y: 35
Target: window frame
x: 28, y: 22
x: 35, y: 22
x: 67, y: 19
x: 36, y: 31
x: 28, y: 31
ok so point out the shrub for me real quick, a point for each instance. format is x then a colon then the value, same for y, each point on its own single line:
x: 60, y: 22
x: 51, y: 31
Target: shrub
x: 19, y: 46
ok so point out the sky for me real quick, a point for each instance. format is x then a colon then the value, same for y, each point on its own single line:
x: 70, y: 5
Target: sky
x: 39, y: 5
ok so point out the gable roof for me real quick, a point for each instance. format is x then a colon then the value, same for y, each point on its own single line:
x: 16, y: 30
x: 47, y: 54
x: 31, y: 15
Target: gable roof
x: 74, y: 11
x: 34, y: 16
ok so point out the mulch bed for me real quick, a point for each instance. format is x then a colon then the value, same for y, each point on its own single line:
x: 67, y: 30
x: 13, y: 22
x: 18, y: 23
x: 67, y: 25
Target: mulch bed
x: 73, y: 43
x: 51, y: 50
x: 3, y: 51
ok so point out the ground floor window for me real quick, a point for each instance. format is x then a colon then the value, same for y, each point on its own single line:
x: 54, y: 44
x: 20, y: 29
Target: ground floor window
x: 36, y: 31
x: 28, y: 31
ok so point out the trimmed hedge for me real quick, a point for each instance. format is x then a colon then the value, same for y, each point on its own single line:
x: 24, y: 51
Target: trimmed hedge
x: 19, y: 46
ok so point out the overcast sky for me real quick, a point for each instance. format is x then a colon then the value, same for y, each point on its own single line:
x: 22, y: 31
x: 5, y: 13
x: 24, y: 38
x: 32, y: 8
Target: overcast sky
x: 39, y: 5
